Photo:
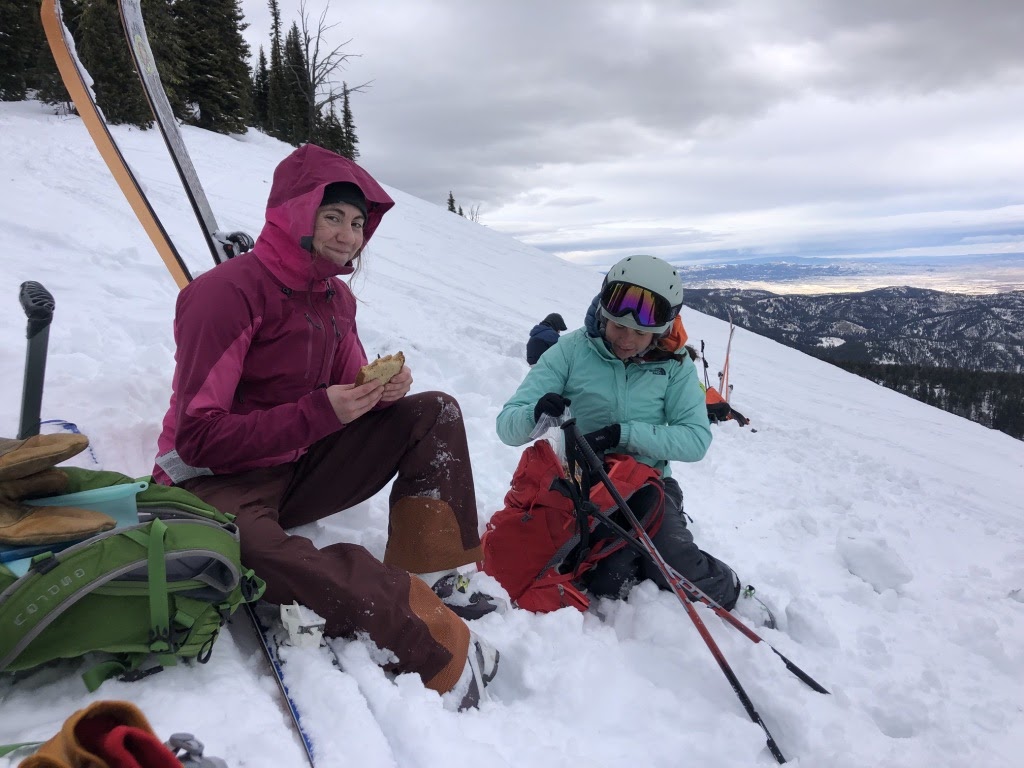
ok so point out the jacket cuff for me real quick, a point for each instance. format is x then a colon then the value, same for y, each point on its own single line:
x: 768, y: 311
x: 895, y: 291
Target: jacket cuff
x: 626, y: 430
x: 323, y: 411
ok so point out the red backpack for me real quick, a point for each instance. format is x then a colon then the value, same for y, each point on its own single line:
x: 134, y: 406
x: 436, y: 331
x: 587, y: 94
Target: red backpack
x: 543, y: 540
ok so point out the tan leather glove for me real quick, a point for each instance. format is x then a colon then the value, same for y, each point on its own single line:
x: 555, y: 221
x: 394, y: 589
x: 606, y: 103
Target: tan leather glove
x: 20, y: 458
x: 78, y: 744
x: 26, y: 472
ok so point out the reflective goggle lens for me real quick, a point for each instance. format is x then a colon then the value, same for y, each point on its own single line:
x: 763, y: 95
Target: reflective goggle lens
x: 648, y: 308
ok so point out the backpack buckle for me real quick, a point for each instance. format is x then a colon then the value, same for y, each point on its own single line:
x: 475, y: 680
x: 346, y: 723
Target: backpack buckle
x: 251, y: 587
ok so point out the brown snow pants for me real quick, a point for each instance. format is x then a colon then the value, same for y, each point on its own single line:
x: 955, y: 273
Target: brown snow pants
x: 432, y: 527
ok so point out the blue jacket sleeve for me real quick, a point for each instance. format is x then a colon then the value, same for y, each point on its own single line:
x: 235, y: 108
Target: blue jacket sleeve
x: 515, y: 422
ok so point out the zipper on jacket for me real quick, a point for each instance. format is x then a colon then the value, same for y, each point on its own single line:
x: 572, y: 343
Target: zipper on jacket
x: 313, y: 328
x: 330, y: 345
x: 313, y: 322
x: 334, y: 351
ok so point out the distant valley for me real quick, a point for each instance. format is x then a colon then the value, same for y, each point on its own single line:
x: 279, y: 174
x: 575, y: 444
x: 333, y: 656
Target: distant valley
x: 997, y: 273
x: 888, y: 325
x: 964, y: 353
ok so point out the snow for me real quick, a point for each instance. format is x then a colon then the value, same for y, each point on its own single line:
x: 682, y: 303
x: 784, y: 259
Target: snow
x: 887, y: 534
x: 831, y: 341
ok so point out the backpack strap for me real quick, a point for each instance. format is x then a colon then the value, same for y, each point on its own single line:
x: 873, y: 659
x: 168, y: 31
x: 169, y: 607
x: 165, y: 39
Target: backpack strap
x: 577, y: 489
x: 629, y: 476
x: 159, y: 623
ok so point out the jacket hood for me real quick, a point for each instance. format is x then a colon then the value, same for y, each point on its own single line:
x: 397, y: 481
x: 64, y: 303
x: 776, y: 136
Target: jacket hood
x: 555, y: 321
x: 295, y: 195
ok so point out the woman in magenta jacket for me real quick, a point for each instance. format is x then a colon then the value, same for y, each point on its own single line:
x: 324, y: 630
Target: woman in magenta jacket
x: 265, y: 422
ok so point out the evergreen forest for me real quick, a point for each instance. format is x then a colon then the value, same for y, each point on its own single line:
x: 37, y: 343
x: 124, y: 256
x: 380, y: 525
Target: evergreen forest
x: 290, y: 93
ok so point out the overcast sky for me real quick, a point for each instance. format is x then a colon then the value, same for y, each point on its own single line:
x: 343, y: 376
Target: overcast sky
x: 696, y: 129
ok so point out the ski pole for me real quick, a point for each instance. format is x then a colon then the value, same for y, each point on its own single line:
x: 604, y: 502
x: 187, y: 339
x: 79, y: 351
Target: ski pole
x: 594, y: 463
x: 696, y: 593
x: 38, y: 305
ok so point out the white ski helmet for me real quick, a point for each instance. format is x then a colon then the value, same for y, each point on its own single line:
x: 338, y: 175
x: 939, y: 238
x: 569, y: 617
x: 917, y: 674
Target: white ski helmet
x: 643, y: 293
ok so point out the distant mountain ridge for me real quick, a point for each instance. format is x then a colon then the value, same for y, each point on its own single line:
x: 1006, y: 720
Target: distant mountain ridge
x: 900, y: 325
x: 971, y: 274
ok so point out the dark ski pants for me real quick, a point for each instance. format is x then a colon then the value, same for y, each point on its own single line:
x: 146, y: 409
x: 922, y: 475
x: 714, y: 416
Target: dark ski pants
x: 616, y: 575
x: 432, y: 526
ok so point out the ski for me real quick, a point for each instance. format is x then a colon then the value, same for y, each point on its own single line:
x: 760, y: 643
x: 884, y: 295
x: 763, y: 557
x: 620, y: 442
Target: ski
x: 724, y: 387
x: 78, y: 82
x: 268, y: 644
x: 220, y: 244
x: 292, y: 640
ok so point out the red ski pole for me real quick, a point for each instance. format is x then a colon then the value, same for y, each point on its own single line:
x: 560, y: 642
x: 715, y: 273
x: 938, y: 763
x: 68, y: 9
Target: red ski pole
x: 594, y: 463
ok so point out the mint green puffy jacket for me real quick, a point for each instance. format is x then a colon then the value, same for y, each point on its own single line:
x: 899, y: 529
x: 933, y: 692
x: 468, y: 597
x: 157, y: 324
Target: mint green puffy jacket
x: 659, y: 404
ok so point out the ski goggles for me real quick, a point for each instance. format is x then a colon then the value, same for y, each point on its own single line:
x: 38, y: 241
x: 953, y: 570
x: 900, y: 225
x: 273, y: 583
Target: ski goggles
x: 648, y: 309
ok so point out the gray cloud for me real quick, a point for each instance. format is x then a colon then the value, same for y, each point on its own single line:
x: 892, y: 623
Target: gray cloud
x: 561, y: 119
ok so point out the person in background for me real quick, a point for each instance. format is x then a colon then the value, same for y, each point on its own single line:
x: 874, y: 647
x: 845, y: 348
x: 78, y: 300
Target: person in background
x: 543, y: 336
x: 635, y: 391
x: 266, y: 423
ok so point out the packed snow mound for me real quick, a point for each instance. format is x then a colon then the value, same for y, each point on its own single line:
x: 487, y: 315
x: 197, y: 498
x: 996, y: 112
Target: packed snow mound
x: 872, y: 559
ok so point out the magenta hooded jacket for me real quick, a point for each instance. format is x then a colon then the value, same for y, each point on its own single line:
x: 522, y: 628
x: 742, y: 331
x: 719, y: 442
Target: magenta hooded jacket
x: 261, y: 336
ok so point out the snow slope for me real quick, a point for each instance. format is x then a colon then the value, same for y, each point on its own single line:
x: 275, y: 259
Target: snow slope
x: 888, y: 534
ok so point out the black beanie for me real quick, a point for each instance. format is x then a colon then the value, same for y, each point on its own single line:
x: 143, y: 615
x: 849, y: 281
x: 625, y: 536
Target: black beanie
x: 345, y: 192
x: 555, y: 321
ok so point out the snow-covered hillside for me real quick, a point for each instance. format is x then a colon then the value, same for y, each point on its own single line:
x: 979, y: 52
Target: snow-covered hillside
x: 888, y: 534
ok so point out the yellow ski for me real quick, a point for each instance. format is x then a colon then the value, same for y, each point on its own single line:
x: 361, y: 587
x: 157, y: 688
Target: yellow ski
x: 76, y: 80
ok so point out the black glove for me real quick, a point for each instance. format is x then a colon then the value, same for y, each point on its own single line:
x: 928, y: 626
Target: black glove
x: 552, y: 404
x: 603, y: 439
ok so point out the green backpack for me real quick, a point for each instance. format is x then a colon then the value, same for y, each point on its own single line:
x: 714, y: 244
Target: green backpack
x: 140, y: 596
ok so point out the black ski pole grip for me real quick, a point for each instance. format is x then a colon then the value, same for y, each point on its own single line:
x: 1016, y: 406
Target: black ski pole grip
x: 38, y: 305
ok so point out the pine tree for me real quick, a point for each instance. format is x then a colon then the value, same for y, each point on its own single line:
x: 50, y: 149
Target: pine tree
x: 461, y: 213
x: 348, y: 125
x: 42, y: 75
x: 300, y: 121
x: 16, y: 52
x: 260, y: 92
x: 331, y: 134
x: 105, y: 56
x: 277, y: 88
x: 216, y: 73
x: 46, y: 79
x: 451, y: 202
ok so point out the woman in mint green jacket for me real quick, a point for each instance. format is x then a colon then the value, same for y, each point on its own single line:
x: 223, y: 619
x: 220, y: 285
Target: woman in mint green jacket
x: 632, y: 390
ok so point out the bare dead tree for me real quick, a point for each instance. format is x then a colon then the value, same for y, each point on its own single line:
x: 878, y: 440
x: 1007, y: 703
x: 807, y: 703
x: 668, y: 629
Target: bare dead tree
x: 322, y: 63
x: 474, y: 213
